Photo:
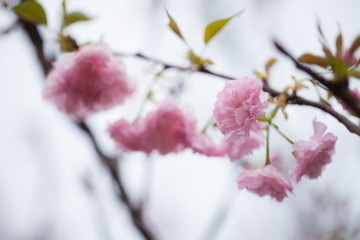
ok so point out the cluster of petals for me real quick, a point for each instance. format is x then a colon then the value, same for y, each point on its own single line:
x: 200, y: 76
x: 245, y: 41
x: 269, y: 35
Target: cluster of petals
x: 129, y: 137
x: 312, y: 156
x: 167, y: 129
x: 94, y: 79
x: 356, y: 94
x: 203, y: 144
x: 266, y: 181
x: 238, y: 107
x: 236, y: 150
x: 90, y: 80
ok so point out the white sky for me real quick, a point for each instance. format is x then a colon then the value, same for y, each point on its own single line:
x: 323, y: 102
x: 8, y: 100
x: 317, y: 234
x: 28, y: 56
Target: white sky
x: 44, y: 159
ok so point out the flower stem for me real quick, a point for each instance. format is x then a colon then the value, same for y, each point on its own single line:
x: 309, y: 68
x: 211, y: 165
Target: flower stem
x: 273, y: 113
x: 269, y: 120
x: 281, y: 133
x: 267, y: 145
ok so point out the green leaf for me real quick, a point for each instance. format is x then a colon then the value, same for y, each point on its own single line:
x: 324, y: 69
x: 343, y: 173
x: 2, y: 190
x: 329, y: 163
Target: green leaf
x: 340, y: 68
x: 213, y: 28
x: 193, y: 58
x: 207, y: 62
x: 31, y: 11
x: 354, y: 73
x: 355, y: 45
x: 263, y: 119
x: 339, y: 45
x: 326, y: 50
x: 268, y: 65
x: 67, y: 43
x: 330, y: 95
x: 173, y: 26
x: 259, y: 75
x: 64, y: 7
x: 74, y: 17
x: 312, y: 59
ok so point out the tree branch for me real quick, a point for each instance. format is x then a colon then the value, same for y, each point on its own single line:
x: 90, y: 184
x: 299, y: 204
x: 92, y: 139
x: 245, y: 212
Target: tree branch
x: 319, y: 105
x: 38, y: 43
x: 338, y: 89
x: 292, y: 99
x: 111, y: 163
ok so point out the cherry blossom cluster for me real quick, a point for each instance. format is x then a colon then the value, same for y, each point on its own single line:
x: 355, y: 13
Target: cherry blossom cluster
x: 93, y: 79
x: 89, y: 80
x: 237, y: 111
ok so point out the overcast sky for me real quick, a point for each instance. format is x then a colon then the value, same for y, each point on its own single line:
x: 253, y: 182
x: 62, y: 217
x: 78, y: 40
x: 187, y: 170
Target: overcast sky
x: 47, y: 164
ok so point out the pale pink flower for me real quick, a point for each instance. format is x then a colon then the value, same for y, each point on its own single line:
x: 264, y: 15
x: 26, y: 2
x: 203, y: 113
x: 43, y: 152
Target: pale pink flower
x: 356, y: 94
x: 203, y: 144
x: 312, y: 156
x: 90, y: 80
x: 167, y: 129
x: 236, y: 150
x: 238, y: 107
x: 349, y: 60
x: 266, y: 181
x: 129, y: 137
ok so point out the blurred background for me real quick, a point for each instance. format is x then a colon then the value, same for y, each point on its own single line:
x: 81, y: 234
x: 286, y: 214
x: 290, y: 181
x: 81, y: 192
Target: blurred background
x: 52, y: 186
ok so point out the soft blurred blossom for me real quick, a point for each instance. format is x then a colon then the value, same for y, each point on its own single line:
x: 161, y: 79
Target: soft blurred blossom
x: 167, y: 129
x: 90, y: 80
x: 203, y: 144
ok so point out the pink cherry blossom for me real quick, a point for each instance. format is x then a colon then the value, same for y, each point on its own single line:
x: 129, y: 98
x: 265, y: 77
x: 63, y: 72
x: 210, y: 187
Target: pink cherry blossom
x: 203, y: 144
x: 128, y: 137
x: 349, y: 60
x: 236, y: 150
x: 167, y: 129
x: 90, y: 80
x: 312, y: 156
x: 266, y: 181
x: 356, y: 94
x: 238, y: 107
